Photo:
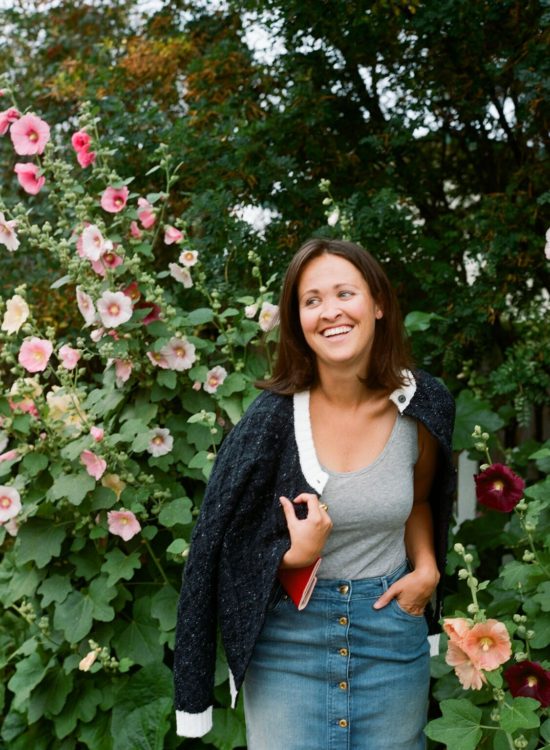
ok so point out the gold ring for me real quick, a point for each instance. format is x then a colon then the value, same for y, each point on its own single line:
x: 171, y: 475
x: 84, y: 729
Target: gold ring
x: 323, y: 506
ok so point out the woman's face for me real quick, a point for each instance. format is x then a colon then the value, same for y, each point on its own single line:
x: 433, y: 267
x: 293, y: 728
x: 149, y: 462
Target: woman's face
x: 337, y: 312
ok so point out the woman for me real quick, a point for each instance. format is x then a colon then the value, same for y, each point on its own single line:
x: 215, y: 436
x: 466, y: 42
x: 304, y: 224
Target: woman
x: 346, y: 456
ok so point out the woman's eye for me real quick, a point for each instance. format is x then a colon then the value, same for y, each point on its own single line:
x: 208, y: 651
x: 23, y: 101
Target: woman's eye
x: 311, y: 301
x: 345, y: 294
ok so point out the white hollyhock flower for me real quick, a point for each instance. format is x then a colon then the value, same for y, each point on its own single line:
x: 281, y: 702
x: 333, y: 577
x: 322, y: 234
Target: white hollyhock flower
x: 114, y: 308
x: 161, y: 442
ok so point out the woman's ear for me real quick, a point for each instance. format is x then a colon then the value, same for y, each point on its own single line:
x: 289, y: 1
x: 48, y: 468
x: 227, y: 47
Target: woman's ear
x: 378, y: 313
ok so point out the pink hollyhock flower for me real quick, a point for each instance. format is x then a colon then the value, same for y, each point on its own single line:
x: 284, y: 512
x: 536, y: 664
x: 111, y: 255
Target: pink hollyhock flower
x: 135, y: 231
x: 188, y: 258
x: 8, y: 236
x: 98, y: 433
x: 28, y: 177
x: 95, y: 466
x: 181, y: 274
x: 498, y: 487
x: 92, y: 243
x: 172, y: 235
x: 123, y: 370
x: 69, y: 357
x: 81, y: 140
x: 114, y: 308
x: 29, y: 135
x: 161, y: 442
x: 108, y: 260
x: 179, y: 353
x: 529, y: 679
x: 10, y: 503
x: 197, y: 385
x: 114, y: 200
x: 6, y: 118
x: 469, y: 675
x: 12, y: 527
x: 86, y: 306
x: 159, y: 360
x: 17, y: 312
x: 147, y: 213
x: 9, y: 455
x: 269, y: 316
x: 87, y: 662
x: 132, y: 291
x: 85, y: 158
x: 487, y: 644
x: 123, y: 523
x: 250, y: 311
x: 214, y: 378
x: 35, y: 354
x: 97, y: 334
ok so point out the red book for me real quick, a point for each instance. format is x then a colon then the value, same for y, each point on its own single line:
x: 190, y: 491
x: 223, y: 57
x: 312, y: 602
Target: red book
x: 299, y: 582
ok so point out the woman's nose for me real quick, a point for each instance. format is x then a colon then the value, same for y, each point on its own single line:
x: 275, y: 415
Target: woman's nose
x: 331, y: 310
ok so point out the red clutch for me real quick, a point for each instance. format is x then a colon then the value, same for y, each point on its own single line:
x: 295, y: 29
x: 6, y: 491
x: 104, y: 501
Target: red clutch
x: 299, y: 582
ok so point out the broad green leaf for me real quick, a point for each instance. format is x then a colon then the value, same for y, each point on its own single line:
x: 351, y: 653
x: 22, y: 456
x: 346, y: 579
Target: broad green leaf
x: 459, y: 727
x: 29, y: 672
x: 228, y: 730
x: 164, y: 607
x: 420, y: 321
x: 56, y: 588
x: 83, y: 705
x: 33, y: 463
x: 177, y: 547
x: 541, y: 639
x: 101, y: 594
x: 22, y: 583
x: 74, y: 616
x: 234, y: 383
x: 118, y: 565
x: 471, y: 411
x: 49, y: 697
x: 543, y: 596
x: 199, y: 316
x: 545, y: 730
x: 96, y: 734
x: 233, y: 407
x: 515, y: 572
x: 139, y: 641
x: 176, y: 511
x: 38, y: 541
x: 73, y: 487
x: 519, y: 713
x: 167, y: 379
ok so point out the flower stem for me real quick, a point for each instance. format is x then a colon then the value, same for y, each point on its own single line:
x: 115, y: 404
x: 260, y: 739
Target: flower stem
x: 155, y: 559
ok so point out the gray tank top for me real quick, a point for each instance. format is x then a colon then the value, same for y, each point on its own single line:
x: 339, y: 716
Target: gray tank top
x: 369, y: 508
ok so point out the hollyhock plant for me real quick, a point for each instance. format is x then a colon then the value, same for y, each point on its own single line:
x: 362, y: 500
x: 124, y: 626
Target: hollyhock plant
x: 179, y: 353
x: 146, y: 213
x: 487, y: 644
x: 86, y: 306
x: 29, y: 179
x: 69, y: 357
x: 529, y: 679
x: 189, y: 258
x: 10, y: 503
x: 17, y: 313
x: 268, y: 316
x: 123, y: 523
x: 95, y: 466
x: 114, y: 200
x: 161, y: 442
x: 7, y: 117
x: 115, y: 308
x: 29, y: 135
x: 8, y: 237
x: 35, y: 353
x: 181, y: 274
x: 499, y: 488
x: 172, y: 235
x: 214, y: 378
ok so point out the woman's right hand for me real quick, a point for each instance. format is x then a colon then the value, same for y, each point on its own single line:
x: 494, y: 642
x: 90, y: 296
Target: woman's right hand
x: 307, y: 535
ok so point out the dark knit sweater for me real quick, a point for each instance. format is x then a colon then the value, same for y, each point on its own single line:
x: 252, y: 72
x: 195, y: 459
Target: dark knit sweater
x: 241, y: 533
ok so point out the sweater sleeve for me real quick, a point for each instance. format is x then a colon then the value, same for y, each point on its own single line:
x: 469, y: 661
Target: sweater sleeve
x: 238, y: 463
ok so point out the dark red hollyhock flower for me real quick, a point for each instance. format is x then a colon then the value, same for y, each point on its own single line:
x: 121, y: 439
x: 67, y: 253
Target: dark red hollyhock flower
x: 132, y: 291
x: 498, y: 487
x: 152, y: 315
x: 528, y: 679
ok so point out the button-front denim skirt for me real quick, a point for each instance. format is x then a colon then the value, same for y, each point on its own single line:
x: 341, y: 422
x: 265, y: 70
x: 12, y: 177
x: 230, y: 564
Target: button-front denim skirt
x: 339, y: 675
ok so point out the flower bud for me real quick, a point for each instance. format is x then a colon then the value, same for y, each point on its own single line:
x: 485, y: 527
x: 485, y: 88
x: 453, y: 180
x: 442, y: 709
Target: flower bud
x: 472, y: 609
x: 468, y: 557
x: 520, y: 742
x: 472, y: 582
x: 480, y: 446
x: 463, y: 574
x: 530, y: 634
x: 495, y: 715
x: 530, y: 527
x: 516, y: 618
x: 528, y: 556
x: 521, y: 656
x: 485, y: 435
x: 459, y: 548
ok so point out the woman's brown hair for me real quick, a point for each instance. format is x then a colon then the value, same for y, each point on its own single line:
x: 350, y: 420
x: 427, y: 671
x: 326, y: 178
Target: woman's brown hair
x: 295, y: 369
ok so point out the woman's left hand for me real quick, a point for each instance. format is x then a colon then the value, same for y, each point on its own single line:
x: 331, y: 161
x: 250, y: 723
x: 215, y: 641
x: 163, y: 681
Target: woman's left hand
x: 413, y: 591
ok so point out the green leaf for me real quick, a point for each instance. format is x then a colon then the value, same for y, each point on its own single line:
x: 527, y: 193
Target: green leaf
x: 541, y: 639
x: 176, y: 511
x: 29, y: 672
x: 519, y: 713
x: 459, y: 727
x: 471, y: 411
x: 199, y: 316
x: 228, y: 730
x: 33, y: 463
x: 494, y: 678
x: 118, y: 565
x: 164, y: 607
x: 83, y: 705
x: 58, y: 283
x: 177, y: 547
x: 516, y: 573
x: 545, y: 730
x: 101, y: 594
x: 49, y: 697
x: 56, y: 588
x: 167, y: 379
x: 234, y: 383
x: 140, y: 640
x: 417, y: 321
x: 38, y: 541
x: 22, y: 583
x: 74, y: 616
x: 543, y: 596
x: 73, y: 487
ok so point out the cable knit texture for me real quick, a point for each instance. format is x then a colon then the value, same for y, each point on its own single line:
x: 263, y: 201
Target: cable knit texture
x: 241, y: 534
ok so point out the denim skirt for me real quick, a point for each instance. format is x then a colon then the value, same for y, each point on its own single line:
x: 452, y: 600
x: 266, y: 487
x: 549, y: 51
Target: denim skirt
x: 339, y: 675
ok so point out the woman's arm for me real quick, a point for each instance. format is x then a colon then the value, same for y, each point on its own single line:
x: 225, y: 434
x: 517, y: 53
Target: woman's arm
x: 307, y: 535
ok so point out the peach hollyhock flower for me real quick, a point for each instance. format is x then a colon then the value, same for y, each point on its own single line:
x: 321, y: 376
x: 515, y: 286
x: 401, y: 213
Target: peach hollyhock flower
x: 85, y: 158
x: 114, y: 482
x: 158, y: 359
x: 86, y: 306
x: 29, y: 179
x: 86, y: 663
x: 8, y: 236
x: 214, y: 378
x: 456, y: 628
x: 10, y: 503
x: 93, y: 245
x: 123, y: 523
x: 69, y: 357
x: 95, y: 466
x: 487, y: 644
x: 172, y: 235
x: 529, y: 679
x: 135, y: 231
x: 268, y: 316
x: 98, y: 433
x: 123, y: 370
x: 498, y: 487
x: 6, y: 118
x: 469, y: 675
x: 81, y: 140
x: 29, y: 135
x: 181, y: 274
x: 35, y: 354
x: 114, y: 200
x: 188, y: 258
x: 147, y: 213
x: 161, y: 442
x: 115, y: 308
x: 17, y: 312
x: 179, y: 353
